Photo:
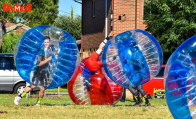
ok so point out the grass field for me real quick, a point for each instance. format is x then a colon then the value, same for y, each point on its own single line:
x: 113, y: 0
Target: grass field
x: 56, y: 90
x: 62, y: 107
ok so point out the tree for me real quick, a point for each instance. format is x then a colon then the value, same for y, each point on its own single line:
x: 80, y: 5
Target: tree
x: 72, y: 26
x: 42, y: 12
x: 7, y: 16
x: 171, y: 22
x: 9, y: 42
x: 72, y: 13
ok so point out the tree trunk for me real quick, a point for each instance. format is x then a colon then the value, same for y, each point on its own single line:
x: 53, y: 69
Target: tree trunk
x: 2, y: 28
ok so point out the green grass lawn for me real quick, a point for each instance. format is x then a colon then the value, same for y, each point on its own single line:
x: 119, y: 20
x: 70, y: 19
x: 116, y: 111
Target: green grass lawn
x: 54, y: 107
x: 62, y: 90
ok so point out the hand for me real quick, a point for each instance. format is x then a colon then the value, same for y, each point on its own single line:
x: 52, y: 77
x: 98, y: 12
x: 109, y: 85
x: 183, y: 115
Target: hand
x: 50, y: 58
x: 108, y: 37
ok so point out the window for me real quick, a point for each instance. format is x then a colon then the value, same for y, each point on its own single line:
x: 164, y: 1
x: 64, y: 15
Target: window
x: 93, y: 8
x: 6, y: 63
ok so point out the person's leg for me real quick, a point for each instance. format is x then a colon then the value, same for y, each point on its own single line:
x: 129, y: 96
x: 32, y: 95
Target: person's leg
x: 144, y: 96
x: 134, y: 91
x: 33, y: 85
x: 26, y: 90
x: 40, y: 96
x: 123, y: 96
x: 44, y: 75
x: 42, y: 91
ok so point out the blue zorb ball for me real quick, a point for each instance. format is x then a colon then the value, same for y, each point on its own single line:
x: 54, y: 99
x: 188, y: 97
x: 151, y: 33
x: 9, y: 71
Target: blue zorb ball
x: 180, y: 81
x: 132, y: 58
x: 49, y: 63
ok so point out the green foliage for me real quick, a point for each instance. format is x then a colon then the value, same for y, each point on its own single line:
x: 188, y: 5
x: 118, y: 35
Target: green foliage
x: 9, y: 42
x: 42, y: 12
x: 8, y: 16
x: 171, y: 22
x: 72, y: 26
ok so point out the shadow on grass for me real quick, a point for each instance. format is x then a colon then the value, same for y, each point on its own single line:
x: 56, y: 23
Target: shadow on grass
x: 27, y: 105
x: 47, y: 104
x: 131, y: 104
x: 142, y: 105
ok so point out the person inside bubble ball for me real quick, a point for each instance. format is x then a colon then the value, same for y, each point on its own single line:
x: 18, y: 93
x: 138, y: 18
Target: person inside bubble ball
x: 136, y: 62
x: 93, y: 63
x: 136, y: 91
x: 41, y: 74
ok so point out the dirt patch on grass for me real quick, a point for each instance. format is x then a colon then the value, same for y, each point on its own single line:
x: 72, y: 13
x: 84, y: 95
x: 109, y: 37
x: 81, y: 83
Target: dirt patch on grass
x: 3, y: 112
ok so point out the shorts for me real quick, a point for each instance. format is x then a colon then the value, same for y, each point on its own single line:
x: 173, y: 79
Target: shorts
x: 41, y: 79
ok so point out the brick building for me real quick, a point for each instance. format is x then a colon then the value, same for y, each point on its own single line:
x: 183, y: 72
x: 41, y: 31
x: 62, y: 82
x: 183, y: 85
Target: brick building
x: 9, y: 27
x: 122, y: 15
x: 18, y: 28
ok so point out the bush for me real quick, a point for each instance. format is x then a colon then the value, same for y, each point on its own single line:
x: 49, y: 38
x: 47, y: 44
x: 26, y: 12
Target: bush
x: 9, y: 42
x: 70, y: 25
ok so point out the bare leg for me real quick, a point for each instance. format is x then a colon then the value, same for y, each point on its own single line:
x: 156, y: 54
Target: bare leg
x: 41, y: 92
x: 27, y: 89
x: 41, y: 95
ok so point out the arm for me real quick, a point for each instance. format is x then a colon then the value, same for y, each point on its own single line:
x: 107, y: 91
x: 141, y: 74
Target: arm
x: 102, y: 45
x: 41, y: 63
x: 92, y: 62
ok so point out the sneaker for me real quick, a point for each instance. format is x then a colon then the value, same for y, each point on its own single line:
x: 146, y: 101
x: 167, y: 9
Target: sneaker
x: 37, y: 104
x: 122, y: 100
x: 138, y: 103
x: 147, y: 103
x: 17, y: 100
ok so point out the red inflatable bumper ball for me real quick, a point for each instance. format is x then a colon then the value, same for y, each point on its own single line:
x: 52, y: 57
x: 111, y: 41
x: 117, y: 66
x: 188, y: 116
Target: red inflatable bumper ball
x: 94, y: 88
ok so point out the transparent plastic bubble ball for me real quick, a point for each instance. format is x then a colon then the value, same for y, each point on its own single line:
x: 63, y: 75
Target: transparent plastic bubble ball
x: 137, y: 55
x: 46, y: 56
x: 94, y: 88
x: 180, y: 80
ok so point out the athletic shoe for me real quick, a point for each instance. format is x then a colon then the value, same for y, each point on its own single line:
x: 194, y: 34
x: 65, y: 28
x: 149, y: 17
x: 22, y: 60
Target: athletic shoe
x: 147, y: 103
x: 122, y: 100
x: 137, y: 103
x: 17, y: 100
x: 37, y: 104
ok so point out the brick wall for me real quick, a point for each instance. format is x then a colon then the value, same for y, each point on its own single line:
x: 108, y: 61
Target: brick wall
x: 131, y: 13
x: 93, y: 28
